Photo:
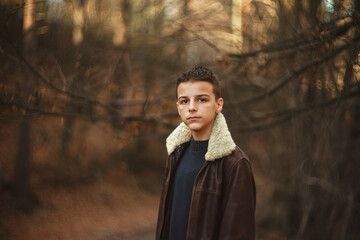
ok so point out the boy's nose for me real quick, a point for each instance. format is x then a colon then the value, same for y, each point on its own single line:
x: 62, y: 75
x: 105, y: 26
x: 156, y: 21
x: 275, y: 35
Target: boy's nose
x: 192, y: 106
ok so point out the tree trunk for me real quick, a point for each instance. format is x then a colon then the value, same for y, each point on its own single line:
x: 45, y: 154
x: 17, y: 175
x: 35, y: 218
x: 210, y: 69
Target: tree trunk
x: 77, y: 7
x: 350, y: 166
x: 123, y: 67
x: 236, y: 25
x: 181, y: 34
x: 21, y: 185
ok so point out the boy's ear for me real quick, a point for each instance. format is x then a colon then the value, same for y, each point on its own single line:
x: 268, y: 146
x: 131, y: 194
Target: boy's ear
x: 220, y: 103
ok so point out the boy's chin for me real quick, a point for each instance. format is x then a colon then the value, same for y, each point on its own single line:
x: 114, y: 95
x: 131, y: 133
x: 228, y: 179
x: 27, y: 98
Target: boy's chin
x: 194, y: 126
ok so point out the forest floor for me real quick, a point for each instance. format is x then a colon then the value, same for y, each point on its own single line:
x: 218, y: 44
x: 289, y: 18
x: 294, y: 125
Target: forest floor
x: 107, y: 209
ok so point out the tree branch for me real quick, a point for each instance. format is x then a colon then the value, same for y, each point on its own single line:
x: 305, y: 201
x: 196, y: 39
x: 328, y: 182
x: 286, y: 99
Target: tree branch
x: 47, y: 81
x: 299, y: 40
x: 154, y: 118
x: 286, y: 79
x: 284, y: 115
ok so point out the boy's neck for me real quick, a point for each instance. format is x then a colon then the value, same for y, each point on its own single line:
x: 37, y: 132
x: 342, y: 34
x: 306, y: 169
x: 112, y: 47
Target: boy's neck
x: 203, y: 134
x: 200, y: 136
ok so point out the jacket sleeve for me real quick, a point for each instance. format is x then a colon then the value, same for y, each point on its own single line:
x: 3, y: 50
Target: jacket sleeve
x: 161, y: 211
x: 238, y: 221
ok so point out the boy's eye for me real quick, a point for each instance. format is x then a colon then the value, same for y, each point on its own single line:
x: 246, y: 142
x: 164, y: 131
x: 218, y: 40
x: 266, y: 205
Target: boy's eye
x: 184, y: 101
x: 202, y: 100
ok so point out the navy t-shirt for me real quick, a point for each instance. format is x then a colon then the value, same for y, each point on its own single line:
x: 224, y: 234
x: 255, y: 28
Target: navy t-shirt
x: 189, y: 166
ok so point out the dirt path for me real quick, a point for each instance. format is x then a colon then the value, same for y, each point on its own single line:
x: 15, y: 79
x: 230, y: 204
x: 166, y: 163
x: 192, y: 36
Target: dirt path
x: 102, y: 211
x: 117, y: 236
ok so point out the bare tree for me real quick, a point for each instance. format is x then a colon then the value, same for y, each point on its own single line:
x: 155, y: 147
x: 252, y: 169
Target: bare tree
x: 21, y: 182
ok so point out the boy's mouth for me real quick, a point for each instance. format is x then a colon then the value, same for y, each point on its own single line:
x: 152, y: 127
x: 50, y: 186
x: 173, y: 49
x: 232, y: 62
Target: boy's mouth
x: 192, y: 118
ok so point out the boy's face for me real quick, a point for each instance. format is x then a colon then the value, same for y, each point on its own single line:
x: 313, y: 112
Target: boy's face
x: 198, y: 107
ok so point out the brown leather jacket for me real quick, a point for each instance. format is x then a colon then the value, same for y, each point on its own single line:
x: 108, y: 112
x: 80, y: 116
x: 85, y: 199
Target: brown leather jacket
x: 223, y: 198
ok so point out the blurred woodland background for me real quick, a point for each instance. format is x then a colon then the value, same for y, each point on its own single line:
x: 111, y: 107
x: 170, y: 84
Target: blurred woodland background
x: 88, y: 97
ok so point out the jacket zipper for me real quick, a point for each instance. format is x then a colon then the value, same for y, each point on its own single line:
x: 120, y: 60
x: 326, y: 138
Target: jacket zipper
x: 193, y: 190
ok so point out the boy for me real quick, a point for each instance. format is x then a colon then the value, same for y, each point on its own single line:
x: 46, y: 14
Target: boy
x: 209, y: 189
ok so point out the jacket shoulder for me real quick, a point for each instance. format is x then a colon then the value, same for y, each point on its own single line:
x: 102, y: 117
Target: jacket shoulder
x: 238, y: 155
x: 236, y: 159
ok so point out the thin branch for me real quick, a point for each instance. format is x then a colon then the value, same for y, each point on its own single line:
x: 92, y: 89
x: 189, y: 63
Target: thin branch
x: 296, y: 44
x: 314, y: 181
x: 305, y: 219
x: 62, y: 76
x: 306, y: 107
x: 46, y: 80
x: 287, y: 78
x: 154, y: 118
x: 284, y: 115
x: 207, y: 42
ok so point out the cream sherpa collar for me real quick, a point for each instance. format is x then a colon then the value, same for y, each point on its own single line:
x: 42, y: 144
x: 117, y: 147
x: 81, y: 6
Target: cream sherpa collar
x: 220, y: 145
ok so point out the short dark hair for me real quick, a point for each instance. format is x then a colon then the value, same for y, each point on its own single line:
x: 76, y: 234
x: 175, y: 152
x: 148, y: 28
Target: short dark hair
x: 200, y: 74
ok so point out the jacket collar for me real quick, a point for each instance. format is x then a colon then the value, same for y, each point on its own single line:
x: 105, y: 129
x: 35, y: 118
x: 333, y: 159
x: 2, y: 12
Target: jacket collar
x: 220, y: 145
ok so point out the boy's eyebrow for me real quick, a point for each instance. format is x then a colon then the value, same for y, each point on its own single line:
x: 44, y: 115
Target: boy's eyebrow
x: 182, y: 97
x: 200, y: 95
x: 203, y: 95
